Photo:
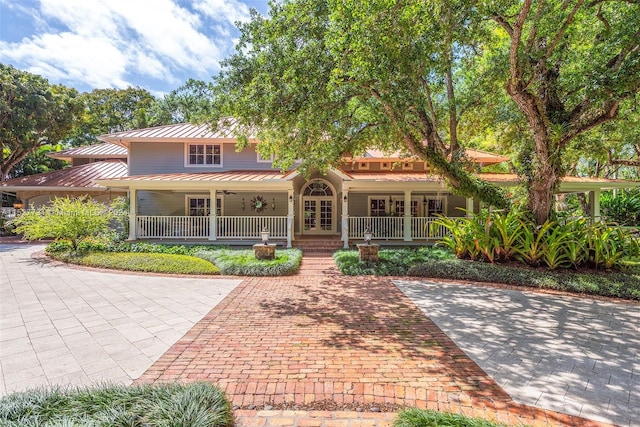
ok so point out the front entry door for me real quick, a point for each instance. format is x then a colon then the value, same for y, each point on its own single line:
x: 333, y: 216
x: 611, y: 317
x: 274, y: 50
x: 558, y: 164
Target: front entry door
x: 318, y: 208
x: 318, y: 216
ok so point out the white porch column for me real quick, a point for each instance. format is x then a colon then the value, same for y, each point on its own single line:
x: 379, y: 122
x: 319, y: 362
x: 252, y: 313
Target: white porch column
x: 213, y: 212
x: 407, y: 216
x: 290, y: 229
x: 594, y: 204
x: 469, y: 206
x: 345, y: 218
x: 133, y: 211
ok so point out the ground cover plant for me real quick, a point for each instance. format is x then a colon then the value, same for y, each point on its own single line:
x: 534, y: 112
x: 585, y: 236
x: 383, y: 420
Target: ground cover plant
x: 440, y: 263
x: 195, y: 405
x: 427, y: 418
x: 393, y: 262
x: 242, y: 262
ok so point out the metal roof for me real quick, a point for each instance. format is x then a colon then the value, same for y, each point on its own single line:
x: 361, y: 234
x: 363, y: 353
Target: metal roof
x: 177, y: 133
x: 82, y: 176
x: 230, y: 176
x: 103, y: 150
x: 477, y: 156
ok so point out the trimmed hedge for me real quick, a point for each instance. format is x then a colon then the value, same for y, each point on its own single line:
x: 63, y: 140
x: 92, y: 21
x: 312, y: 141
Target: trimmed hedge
x: 620, y: 284
x: 146, y: 262
x: 196, y: 405
x: 242, y: 262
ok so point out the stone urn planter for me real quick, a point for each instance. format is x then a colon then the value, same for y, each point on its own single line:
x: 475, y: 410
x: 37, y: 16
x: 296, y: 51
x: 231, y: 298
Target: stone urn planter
x: 264, y: 251
x: 368, y: 252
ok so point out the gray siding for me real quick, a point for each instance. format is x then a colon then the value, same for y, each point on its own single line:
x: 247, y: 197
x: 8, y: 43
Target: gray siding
x: 453, y: 203
x: 160, y: 203
x: 169, y: 157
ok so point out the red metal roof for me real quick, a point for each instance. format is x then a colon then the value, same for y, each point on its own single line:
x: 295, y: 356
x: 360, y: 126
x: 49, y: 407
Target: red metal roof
x: 103, y: 150
x: 82, y: 176
x: 477, y: 156
x: 176, y: 132
x: 236, y: 176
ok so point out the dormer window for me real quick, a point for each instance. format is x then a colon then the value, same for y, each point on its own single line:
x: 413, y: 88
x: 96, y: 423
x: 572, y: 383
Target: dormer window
x: 407, y: 166
x: 363, y: 166
x: 385, y: 165
x: 204, y: 155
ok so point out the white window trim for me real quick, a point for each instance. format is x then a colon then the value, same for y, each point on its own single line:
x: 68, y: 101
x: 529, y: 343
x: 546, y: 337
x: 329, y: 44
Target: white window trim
x: 407, y: 166
x: 186, y: 155
x: 259, y: 159
x: 414, y: 198
x: 187, y: 197
x: 363, y: 166
x: 387, y: 209
x: 387, y: 167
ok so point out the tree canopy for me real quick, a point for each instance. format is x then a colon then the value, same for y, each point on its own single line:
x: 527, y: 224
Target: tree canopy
x: 317, y: 79
x: 33, y: 113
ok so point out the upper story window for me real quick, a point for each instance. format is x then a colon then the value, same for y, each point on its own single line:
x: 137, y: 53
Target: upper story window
x: 204, y: 155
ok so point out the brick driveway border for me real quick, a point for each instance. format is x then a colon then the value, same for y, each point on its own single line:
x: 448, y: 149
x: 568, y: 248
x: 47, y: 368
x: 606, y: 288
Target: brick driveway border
x: 326, y: 337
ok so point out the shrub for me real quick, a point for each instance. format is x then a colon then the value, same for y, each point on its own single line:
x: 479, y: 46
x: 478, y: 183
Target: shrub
x: 65, y: 218
x: 197, y: 404
x: 244, y: 263
x: 147, y: 262
x: 622, y: 284
x: 393, y: 262
x: 500, y: 237
x: 428, y: 418
x: 623, y: 208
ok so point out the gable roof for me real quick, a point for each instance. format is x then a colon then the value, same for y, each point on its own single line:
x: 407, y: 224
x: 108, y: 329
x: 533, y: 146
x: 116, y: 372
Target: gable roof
x: 74, y: 178
x: 103, y: 150
x: 180, y: 132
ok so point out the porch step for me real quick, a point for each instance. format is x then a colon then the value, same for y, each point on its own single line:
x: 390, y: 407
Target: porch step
x: 317, y: 246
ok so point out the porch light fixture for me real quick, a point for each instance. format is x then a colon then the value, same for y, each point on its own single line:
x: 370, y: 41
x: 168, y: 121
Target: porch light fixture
x: 264, y: 234
x: 345, y: 198
x: 242, y: 204
x: 367, y: 235
x: 273, y: 204
x: 18, y: 204
x: 425, y: 201
x: 291, y: 198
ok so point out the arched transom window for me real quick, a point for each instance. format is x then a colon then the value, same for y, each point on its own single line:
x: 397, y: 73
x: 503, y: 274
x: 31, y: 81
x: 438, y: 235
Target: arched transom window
x: 318, y: 188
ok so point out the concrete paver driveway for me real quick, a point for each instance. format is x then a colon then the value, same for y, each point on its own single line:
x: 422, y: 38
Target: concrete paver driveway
x: 572, y: 355
x: 61, y: 325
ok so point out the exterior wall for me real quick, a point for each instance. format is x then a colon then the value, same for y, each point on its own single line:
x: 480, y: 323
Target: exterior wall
x: 170, y: 203
x: 375, y: 166
x: 78, y: 162
x: 169, y: 157
x: 453, y: 203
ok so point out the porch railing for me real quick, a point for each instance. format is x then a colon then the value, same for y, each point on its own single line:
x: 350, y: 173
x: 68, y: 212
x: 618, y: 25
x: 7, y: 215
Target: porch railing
x: 249, y: 227
x: 185, y: 227
x: 390, y: 228
x: 171, y: 227
x: 383, y: 227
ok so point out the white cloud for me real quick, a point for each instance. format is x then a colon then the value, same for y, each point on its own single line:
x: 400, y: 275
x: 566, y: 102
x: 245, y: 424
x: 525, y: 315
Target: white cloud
x: 106, y: 43
x: 231, y: 11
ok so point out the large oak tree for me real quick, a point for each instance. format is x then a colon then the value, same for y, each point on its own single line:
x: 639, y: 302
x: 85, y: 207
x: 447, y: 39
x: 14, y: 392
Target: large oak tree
x: 33, y: 113
x: 317, y: 79
x: 571, y: 64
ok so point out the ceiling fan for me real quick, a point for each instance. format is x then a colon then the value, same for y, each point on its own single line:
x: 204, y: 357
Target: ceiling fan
x: 227, y: 192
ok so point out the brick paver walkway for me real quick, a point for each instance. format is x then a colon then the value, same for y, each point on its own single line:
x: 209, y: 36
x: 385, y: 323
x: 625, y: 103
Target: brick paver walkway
x: 320, y: 336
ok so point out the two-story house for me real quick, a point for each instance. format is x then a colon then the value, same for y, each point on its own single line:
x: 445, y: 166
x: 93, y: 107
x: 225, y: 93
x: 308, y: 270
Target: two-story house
x: 187, y: 182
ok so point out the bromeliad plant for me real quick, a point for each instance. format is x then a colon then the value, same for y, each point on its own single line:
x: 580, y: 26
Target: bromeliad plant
x: 512, y: 236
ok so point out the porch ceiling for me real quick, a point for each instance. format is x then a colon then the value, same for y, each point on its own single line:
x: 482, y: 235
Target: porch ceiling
x: 202, y: 180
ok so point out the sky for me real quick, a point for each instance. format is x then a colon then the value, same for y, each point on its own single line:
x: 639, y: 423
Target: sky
x: 95, y: 44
